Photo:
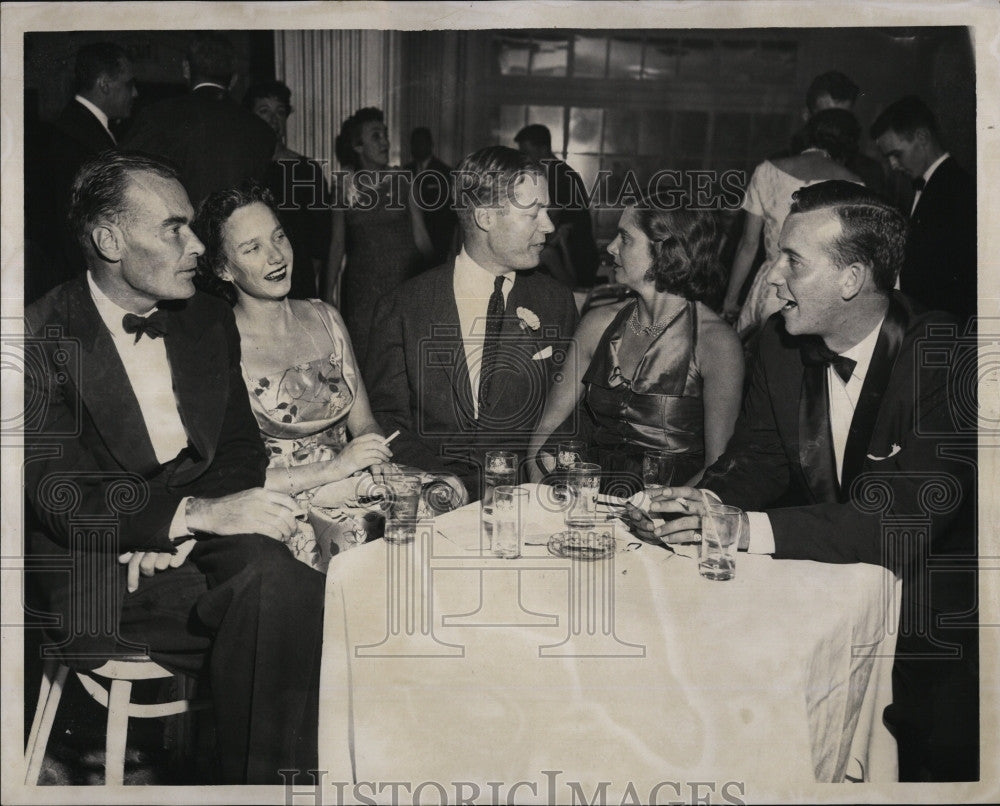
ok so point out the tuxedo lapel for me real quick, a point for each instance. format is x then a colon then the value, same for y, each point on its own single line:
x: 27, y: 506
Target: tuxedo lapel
x: 816, y: 456
x: 104, y: 387
x: 199, y: 369
x: 870, y: 400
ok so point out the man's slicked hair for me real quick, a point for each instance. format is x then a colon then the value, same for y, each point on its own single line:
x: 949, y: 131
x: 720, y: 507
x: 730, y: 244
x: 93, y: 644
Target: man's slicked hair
x: 535, y: 134
x: 95, y: 60
x: 100, y: 186
x: 487, y: 178
x: 904, y: 117
x: 833, y: 83
x: 211, y: 56
x: 872, y: 231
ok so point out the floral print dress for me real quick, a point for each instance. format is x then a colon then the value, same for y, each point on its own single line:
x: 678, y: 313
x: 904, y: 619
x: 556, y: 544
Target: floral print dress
x: 302, y: 414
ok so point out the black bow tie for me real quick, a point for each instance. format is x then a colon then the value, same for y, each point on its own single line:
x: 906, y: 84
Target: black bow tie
x: 919, y: 184
x: 153, y: 325
x: 816, y: 352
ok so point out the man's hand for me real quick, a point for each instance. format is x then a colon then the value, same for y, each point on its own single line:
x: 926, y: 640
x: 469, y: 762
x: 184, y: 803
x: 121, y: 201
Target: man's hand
x: 148, y: 563
x: 256, y: 511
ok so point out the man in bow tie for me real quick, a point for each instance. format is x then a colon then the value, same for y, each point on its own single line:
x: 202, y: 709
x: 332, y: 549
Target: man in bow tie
x: 940, y: 265
x: 462, y: 356
x: 845, y: 437
x: 147, y: 431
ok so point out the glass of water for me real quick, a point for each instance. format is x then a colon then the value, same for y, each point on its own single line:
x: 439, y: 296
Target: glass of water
x: 583, y: 480
x: 500, y: 470
x: 657, y: 471
x: 402, y: 498
x: 510, y: 505
x: 720, y: 538
x: 569, y: 452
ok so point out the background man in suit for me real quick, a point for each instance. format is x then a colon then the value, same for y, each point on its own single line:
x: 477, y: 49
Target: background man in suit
x: 843, y: 430
x: 216, y: 143
x: 462, y: 356
x: 153, y: 429
x: 571, y: 256
x: 104, y: 89
x: 940, y: 265
x: 432, y: 190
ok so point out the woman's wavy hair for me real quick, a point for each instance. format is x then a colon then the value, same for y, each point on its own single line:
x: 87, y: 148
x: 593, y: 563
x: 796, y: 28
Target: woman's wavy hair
x: 684, y: 244
x: 836, y: 131
x: 213, y: 213
x: 350, y: 136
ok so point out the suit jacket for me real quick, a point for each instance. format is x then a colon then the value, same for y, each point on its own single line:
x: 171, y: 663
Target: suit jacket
x: 892, y: 461
x: 88, y: 453
x: 940, y: 266
x: 418, y: 378
x: 216, y: 143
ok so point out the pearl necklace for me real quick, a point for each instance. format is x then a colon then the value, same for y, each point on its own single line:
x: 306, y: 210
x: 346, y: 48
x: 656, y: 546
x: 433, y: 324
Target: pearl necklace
x: 654, y: 329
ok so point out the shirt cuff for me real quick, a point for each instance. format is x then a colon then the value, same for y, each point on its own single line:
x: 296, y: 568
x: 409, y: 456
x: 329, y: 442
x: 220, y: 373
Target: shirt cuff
x: 178, y: 526
x: 761, y: 534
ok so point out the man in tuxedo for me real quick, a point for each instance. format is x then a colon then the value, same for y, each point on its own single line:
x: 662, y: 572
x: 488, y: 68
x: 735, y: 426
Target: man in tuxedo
x: 940, y: 265
x: 104, y: 89
x: 216, y: 143
x: 571, y: 256
x: 845, y: 437
x: 145, y: 472
x: 432, y: 191
x: 462, y: 356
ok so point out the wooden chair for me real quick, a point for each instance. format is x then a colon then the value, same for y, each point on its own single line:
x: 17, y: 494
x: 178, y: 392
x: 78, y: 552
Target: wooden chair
x: 115, y: 694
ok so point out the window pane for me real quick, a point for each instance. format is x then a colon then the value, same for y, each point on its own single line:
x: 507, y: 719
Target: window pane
x: 587, y: 166
x: 732, y: 135
x: 625, y: 58
x: 654, y: 132
x: 590, y: 55
x: 777, y: 60
x: 513, y: 55
x: 551, y: 116
x: 511, y: 122
x: 738, y: 59
x: 697, y: 58
x: 692, y: 132
x: 585, y: 130
x: 620, y: 130
x: 661, y: 59
x: 549, y: 57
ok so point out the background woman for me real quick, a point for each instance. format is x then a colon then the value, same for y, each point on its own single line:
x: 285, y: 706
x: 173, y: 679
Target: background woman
x: 663, y: 371
x: 299, y: 188
x: 297, y: 361
x: 831, y: 136
x: 375, y: 225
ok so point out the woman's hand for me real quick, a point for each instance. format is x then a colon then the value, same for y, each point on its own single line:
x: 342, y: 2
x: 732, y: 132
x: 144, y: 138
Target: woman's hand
x: 362, y: 453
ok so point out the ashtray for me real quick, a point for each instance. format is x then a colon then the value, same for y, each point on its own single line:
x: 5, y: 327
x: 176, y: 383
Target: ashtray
x: 583, y: 544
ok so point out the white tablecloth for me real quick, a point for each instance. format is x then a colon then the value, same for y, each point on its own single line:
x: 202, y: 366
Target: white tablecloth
x: 443, y: 667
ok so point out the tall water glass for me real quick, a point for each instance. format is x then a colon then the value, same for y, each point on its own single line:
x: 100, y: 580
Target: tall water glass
x: 500, y: 470
x: 402, y: 499
x: 510, y: 506
x: 720, y: 538
x: 583, y: 480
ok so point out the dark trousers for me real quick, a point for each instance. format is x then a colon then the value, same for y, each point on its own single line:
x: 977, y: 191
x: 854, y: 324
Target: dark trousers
x: 245, y: 608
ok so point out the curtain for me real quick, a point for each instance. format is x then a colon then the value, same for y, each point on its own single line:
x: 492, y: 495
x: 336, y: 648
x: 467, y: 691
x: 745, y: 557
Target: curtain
x: 332, y: 74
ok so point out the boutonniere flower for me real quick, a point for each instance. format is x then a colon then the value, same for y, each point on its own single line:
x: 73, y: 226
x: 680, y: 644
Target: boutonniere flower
x: 529, y: 320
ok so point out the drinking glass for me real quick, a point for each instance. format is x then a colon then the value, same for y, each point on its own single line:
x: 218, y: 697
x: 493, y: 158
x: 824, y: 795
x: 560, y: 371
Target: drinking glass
x: 500, y: 470
x: 720, y: 539
x: 568, y: 452
x: 657, y: 471
x: 510, y: 505
x: 583, y: 480
x: 402, y: 499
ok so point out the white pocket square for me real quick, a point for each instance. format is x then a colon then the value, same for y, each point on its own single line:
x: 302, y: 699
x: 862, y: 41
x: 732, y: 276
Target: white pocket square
x: 545, y: 352
x: 892, y: 452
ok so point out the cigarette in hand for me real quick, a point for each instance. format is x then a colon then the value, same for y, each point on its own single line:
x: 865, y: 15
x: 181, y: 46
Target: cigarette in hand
x: 391, y: 437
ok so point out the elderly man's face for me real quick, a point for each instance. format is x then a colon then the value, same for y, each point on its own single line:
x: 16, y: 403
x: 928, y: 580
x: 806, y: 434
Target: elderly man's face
x: 158, y: 251
x: 517, y: 237
x: 119, y: 93
x: 805, y: 276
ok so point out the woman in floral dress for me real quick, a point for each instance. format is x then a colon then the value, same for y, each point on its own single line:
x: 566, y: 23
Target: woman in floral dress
x: 299, y: 369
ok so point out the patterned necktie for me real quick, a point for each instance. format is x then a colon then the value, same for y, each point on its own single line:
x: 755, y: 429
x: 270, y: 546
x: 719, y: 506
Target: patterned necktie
x: 491, y: 344
x: 153, y: 325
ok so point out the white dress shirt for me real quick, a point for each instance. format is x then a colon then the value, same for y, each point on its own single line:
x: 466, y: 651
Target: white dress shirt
x: 927, y: 178
x: 148, y: 372
x: 473, y: 288
x: 843, y: 401
x: 98, y: 113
